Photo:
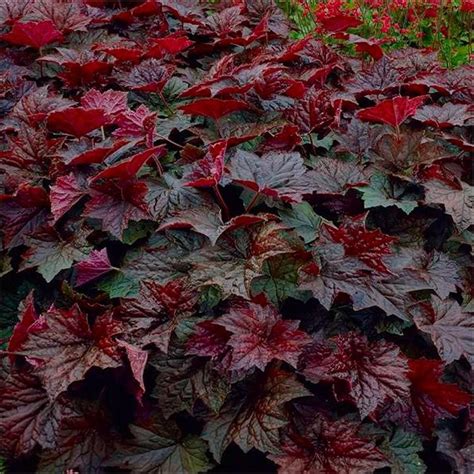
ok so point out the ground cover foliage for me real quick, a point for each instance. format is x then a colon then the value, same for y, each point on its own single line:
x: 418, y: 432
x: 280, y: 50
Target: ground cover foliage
x: 226, y: 250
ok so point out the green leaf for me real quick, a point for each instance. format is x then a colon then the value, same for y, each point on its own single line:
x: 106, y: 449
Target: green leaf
x: 210, y: 297
x: 403, y: 449
x: 161, y: 449
x: 382, y: 192
x: 279, y: 279
x: 393, y: 325
x: 136, y: 231
x: 303, y: 219
x: 50, y: 254
x: 120, y: 285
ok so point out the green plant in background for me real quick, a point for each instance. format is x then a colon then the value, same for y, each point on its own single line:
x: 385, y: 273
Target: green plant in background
x: 443, y: 25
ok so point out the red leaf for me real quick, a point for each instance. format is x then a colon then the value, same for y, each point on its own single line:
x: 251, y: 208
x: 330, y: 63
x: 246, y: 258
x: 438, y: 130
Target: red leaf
x: 128, y: 168
x: 64, y: 347
x: 214, y: 108
x: 208, y: 340
x: 339, y: 22
x: 392, y: 111
x: 431, y: 398
x: 80, y: 153
x: 96, y: 265
x: 34, y: 33
x: 171, y: 44
x: 76, y: 121
x: 369, y: 246
x: 285, y: 140
x: 122, y: 53
x: 330, y: 447
x: 27, y: 316
x: 208, y: 171
x: 259, y: 335
x: 373, y: 372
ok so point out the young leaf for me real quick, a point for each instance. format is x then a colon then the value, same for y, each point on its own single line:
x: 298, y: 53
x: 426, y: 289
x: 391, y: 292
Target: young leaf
x: 33, y: 33
x: 392, y: 111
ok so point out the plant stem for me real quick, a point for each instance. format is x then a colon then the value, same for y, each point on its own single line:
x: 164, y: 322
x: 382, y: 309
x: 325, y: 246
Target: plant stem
x: 222, y: 203
x: 167, y: 106
x: 252, y: 202
x: 162, y: 137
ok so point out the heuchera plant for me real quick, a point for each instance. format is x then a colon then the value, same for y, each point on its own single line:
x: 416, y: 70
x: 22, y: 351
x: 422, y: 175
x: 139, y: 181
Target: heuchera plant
x: 224, y: 250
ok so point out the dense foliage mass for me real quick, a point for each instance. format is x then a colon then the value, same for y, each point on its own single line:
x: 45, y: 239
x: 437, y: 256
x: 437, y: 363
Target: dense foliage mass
x: 442, y: 25
x: 218, y: 240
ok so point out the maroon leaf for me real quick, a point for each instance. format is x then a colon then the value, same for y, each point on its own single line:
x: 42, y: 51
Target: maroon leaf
x: 35, y: 106
x: 446, y: 116
x: 34, y: 33
x: 277, y: 175
x: 137, y: 358
x: 259, y: 335
x: 256, y: 421
x: 449, y: 326
x: 149, y: 76
x: 23, y: 213
x: 373, y: 371
x: 214, y: 108
x: 392, y: 111
x: 370, y: 246
x: 154, y: 316
x: 457, y: 202
x: 64, y: 194
x: 314, y: 112
x: 138, y: 123
x: 329, y: 447
x: 93, y: 267
x: 82, y: 440
x: 64, y: 347
x: 208, y: 221
x: 209, y: 340
x: 117, y: 203
x: 66, y: 17
x: 27, y: 417
x: 111, y: 102
x: 76, y: 121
